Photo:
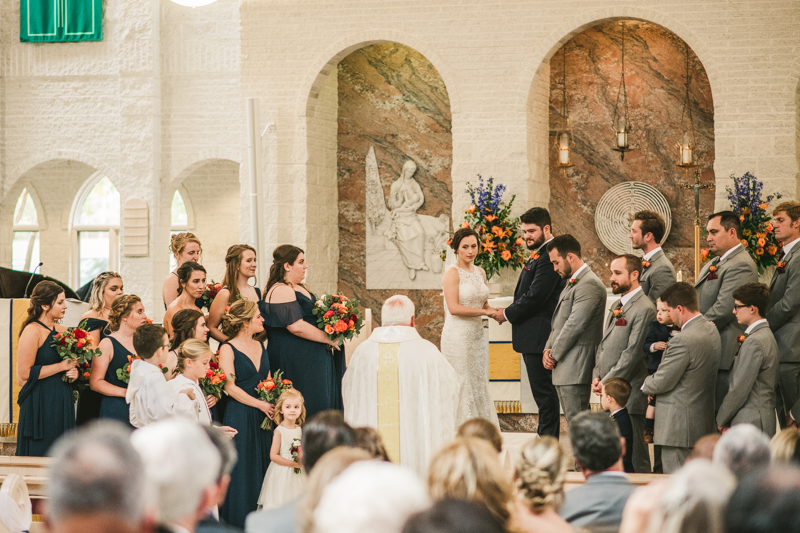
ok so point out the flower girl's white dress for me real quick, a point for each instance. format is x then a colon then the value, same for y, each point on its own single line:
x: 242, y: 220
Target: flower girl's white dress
x: 282, y: 484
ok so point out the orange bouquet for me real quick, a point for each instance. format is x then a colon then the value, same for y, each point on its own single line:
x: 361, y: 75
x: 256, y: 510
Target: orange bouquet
x: 270, y: 390
x: 338, y: 316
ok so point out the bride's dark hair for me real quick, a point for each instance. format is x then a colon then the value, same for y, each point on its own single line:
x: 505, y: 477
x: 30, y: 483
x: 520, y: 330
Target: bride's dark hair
x: 461, y: 234
x: 285, y: 253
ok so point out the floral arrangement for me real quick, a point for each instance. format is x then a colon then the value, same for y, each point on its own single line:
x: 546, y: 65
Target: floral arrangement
x: 214, y: 382
x: 270, y: 390
x: 491, y: 219
x: 210, y: 292
x: 295, y: 451
x: 76, y: 343
x: 759, y: 238
x: 338, y: 316
x: 124, y: 373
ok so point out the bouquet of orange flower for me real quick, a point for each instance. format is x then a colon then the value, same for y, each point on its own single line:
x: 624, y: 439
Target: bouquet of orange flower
x: 338, y: 316
x: 214, y: 382
x: 124, y: 373
x: 270, y: 390
x: 76, y: 343
x: 210, y: 292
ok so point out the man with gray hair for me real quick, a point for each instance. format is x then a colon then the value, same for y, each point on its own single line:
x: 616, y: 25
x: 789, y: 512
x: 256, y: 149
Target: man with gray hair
x: 96, y: 482
x: 210, y: 523
x: 402, y: 385
x: 742, y: 449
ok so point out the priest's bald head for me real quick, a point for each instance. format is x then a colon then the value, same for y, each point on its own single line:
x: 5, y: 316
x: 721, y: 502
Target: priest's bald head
x: 398, y: 311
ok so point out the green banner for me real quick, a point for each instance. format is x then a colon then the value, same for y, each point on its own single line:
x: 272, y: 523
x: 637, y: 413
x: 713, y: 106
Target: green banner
x: 58, y: 21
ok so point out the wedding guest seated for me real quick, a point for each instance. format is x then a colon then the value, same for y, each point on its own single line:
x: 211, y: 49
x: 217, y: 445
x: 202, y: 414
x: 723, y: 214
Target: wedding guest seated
x: 324, y: 432
x: 539, y: 481
x: 614, y: 398
x: 181, y: 466
x: 469, y: 469
x: 742, y: 449
x: 766, y: 502
x: 370, y: 497
x: 480, y: 428
x: 210, y: 522
x: 785, y: 447
x: 370, y: 441
x: 704, y: 447
x: 597, y: 446
x: 426, y: 384
x: 96, y: 483
x: 454, y: 516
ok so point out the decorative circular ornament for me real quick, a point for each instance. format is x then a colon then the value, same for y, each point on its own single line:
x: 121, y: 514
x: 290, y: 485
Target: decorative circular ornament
x: 616, y: 209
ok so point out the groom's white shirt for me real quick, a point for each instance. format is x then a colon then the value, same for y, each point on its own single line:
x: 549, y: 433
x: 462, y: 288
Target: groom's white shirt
x: 429, y: 394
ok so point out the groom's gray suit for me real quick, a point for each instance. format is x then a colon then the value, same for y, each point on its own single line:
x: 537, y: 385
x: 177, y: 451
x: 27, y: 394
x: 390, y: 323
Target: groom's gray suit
x: 577, y: 330
x: 658, y: 276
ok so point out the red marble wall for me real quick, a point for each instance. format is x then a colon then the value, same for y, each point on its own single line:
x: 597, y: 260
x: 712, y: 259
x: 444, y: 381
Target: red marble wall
x: 654, y: 75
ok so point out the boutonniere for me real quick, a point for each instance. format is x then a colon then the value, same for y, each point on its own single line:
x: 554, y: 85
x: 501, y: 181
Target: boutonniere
x: 572, y: 282
x: 712, y: 273
x: 781, y: 267
x: 535, y: 255
x: 619, y: 314
x: 741, y: 338
x: 645, y: 264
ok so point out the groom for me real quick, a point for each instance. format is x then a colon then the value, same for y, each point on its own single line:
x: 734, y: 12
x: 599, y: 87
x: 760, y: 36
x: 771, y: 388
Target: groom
x: 535, y: 300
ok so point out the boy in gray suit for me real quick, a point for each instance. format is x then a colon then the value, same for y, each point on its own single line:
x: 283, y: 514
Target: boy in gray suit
x: 685, y: 379
x: 577, y: 326
x: 647, y: 231
x: 783, y: 312
x: 732, y: 268
x: 751, y: 396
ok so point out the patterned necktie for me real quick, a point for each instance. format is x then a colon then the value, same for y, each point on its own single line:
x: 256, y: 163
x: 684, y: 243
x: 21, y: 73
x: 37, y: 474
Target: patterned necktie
x: 781, y: 255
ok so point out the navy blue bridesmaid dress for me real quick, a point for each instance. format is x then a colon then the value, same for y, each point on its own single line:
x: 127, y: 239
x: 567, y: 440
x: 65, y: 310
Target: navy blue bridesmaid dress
x: 46, y: 408
x: 115, y: 407
x: 89, y: 401
x: 252, y: 442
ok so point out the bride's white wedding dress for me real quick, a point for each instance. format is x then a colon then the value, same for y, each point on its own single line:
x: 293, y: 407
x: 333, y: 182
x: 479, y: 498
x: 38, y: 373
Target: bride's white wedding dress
x: 464, y: 346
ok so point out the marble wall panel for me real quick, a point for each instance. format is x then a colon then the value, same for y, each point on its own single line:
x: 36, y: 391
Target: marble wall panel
x: 393, y: 99
x: 655, y: 77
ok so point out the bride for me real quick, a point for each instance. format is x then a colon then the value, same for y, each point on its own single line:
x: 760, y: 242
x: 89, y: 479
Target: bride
x: 463, y: 344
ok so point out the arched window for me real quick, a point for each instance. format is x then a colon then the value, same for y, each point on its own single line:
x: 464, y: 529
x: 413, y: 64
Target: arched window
x: 179, y: 222
x: 25, y: 247
x: 96, y: 228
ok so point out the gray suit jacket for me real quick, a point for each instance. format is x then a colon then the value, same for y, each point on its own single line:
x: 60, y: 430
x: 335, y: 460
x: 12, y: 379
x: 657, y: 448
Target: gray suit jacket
x: 621, y: 354
x: 751, y: 396
x: 280, y: 520
x: 658, y: 276
x: 597, y: 504
x: 577, y: 329
x: 783, y: 313
x: 716, y: 299
x: 685, y: 383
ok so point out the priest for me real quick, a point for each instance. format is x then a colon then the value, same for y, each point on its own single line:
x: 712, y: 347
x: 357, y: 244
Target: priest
x: 401, y: 385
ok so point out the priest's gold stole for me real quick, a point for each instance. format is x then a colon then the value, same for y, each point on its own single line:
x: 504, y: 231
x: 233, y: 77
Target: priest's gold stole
x: 389, y: 398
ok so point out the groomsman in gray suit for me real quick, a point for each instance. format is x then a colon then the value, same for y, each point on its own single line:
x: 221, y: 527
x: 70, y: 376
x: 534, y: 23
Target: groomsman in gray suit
x: 783, y: 312
x: 577, y: 326
x: 685, y: 379
x: 621, y: 354
x: 647, y: 231
x: 751, y: 395
x: 732, y: 268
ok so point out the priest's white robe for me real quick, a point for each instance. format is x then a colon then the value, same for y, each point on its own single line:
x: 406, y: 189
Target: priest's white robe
x: 427, y: 394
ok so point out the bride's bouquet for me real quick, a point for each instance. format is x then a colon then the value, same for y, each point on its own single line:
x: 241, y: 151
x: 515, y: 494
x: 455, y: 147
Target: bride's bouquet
x: 338, y: 317
x: 76, y: 343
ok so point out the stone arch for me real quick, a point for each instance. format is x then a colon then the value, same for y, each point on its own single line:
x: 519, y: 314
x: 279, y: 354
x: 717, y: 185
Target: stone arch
x: 201, y: 158
x: 61, y: 155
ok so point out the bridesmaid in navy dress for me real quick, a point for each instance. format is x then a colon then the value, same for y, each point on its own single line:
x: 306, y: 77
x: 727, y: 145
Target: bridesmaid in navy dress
x: 46, y: 408
x: 191, y: 324
x: 192, y: 279
x: 106, y: 287
x: 184, y: 247
x: 127, y: 314
x: 296, y: 345
x: 245, y: 361
x: 240, y: 268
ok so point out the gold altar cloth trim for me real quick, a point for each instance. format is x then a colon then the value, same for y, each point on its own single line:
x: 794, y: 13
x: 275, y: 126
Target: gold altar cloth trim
x: 389, y: 398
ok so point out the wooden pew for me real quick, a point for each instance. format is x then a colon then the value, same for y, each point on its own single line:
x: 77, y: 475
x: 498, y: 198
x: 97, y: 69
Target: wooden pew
x: 574, y: 479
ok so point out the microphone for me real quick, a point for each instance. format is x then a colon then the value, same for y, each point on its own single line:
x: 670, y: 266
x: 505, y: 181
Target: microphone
x: 28, y: 286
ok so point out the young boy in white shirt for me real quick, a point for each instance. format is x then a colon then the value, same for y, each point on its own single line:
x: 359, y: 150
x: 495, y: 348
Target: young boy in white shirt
x: 148, y: 395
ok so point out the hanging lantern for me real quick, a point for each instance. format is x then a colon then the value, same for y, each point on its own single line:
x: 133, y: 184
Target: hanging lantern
x: 622, y: 123
x: 687, y: 145
x: 563, y: 142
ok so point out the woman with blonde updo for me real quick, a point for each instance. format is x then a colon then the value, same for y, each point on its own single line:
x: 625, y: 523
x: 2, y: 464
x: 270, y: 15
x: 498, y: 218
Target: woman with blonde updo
x: 539, y: 481
x: 45, y: 402
x: 240, y: 268
x: 184, y: 247
x: 127, y: 314
x: 296, y: 345
x: 244, y: 360
x: 469, y: 469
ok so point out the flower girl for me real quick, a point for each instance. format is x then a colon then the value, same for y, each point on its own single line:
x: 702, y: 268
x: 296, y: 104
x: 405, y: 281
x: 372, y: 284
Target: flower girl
x: 284, y: 480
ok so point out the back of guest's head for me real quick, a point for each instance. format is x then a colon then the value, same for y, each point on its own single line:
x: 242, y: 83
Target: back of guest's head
x: 755, y: 294
x: 694, y: 500
x: 147, y: 339
x: 651, y: 223
x: 180, y: 464
x: 538, y: 216
x: 397, y: 311
x: 785, y: 447
x: 767, y: 501
x: 454, y: 516
x: 95, y: 470
x: 565, y: 244
x: 227, y: 451
x: 619, y: 389
x: 469, y: 469
x: 288, y: 395
x: 327, y: 468
x: 369, y: 440
x: 681, y: 293
x: 480, y: 428
x: 539, y: 474
x: 742, y: 449
x: 370, y: 496
x: 595, y: 441
x: 325, y: 431
x: 704, y: 447
x: 728, y: 220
